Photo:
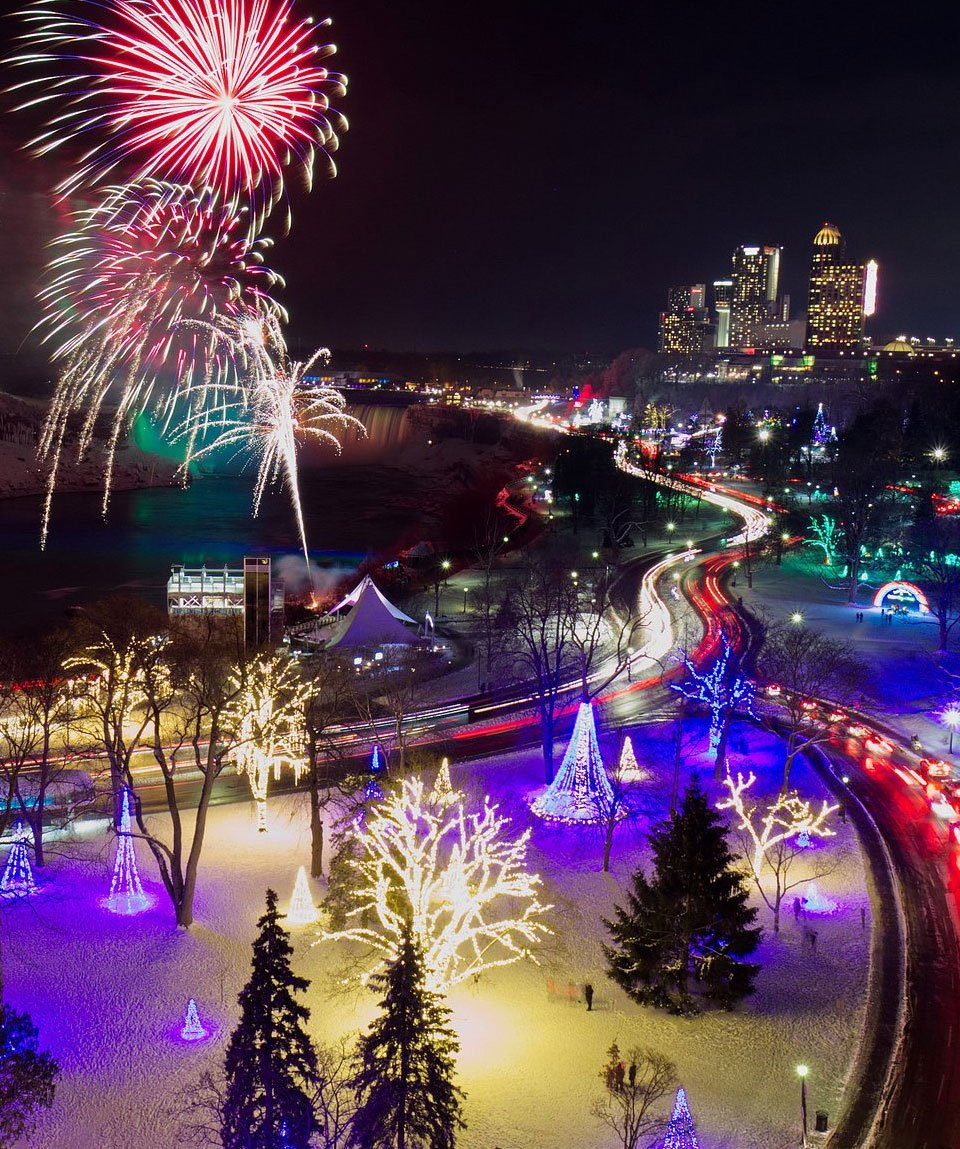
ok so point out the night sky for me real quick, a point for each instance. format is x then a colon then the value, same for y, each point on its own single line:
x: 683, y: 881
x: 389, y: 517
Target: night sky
x: 536, y: 175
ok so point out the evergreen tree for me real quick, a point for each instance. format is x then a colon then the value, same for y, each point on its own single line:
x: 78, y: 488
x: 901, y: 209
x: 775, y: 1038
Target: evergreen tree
x: 689, y: 921
x: 404, y: 1064
x: 27, y: 1077
x: 343, y: 877
x: 270, y: 1066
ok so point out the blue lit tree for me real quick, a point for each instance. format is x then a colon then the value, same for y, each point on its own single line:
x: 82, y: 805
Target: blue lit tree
x: 581, y: 793
x: 723, y: 689
x: 680, y: 1132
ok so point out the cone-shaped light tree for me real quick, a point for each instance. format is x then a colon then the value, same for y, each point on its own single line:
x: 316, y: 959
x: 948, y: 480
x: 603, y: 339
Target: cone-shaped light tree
x: 17, y: 879
x: 680, y: 1132
x: 581, y: 791
x: 126, y: 890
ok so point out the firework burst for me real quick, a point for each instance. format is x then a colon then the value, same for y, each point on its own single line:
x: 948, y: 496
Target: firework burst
x: 204, y: 92
x: 128, y: 292
x: 275, y: 409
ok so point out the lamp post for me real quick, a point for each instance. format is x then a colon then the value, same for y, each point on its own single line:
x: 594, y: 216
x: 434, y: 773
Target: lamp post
x: 802, y: 1071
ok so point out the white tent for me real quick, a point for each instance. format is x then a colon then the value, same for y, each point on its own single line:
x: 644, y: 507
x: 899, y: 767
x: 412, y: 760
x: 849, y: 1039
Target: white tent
x: 371, y: 622
x: 367, y: 583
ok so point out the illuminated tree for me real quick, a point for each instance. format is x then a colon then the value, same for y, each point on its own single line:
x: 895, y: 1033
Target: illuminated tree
x: 581, y: 792
x: 36, y: 710
x: 680, y: 1131
x: 634, y: 1084
x: 267, y: 719
x: 723, y: 689
x: 773, y: 836
x: 17, y: 879
x: 406, y: 1098
x: 452, y: 876
x: 126, y: 890
x: 689, y: 921
x: 825, y: 536
x: 443, y: 793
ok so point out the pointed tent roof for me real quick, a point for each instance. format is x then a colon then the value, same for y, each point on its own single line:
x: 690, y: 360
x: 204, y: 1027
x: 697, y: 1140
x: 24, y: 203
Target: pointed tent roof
x: 370, y: 622
x: 367, y: 583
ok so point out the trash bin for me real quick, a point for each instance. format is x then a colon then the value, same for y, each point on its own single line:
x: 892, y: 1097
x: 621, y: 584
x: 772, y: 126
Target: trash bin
x: 821, y: 1123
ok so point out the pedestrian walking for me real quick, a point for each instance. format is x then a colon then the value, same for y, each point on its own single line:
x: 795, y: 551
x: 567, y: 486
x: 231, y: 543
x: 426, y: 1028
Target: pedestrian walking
x: 813, y: 940
x: 588, y: 994
x: 619, y: 1075
x: 796, y: 908
x: 632, y: 1073
x: 863, y: 917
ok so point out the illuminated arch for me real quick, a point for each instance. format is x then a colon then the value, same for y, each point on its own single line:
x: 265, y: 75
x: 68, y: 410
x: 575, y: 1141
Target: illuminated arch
x: 906, y: 588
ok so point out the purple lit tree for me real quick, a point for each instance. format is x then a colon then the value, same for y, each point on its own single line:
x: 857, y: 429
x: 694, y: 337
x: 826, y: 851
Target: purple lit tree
x: 723, y: 690
x: 680, y: 1132
x: 17, y: 880
x: 581, y: 791
x: 126, y: 891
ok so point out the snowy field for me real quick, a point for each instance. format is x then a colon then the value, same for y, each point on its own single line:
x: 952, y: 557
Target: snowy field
x: 109, y: 992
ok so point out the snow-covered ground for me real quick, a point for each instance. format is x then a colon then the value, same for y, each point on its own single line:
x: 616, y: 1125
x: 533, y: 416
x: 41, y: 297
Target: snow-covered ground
x: 108, y: 992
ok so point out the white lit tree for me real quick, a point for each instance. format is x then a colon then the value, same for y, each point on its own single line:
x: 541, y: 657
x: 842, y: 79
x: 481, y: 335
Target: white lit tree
x: 454, y: 876
x: 266, y: 717
x: 723, y: 689
x: 773, y: 836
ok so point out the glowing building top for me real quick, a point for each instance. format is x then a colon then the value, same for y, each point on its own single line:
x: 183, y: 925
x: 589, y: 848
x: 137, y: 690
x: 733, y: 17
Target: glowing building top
x: 837, y: 298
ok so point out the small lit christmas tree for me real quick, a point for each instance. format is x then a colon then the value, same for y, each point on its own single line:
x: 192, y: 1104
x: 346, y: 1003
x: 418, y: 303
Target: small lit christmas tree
x: 443, y: 793
x: 629, y: 769
x: 680, y: 1132
x: 17, y: 880
x: 302, y: 911
x: 126, y: 891
x: 376, y: 761
x: 581, y: 791
x: 192, y: 1028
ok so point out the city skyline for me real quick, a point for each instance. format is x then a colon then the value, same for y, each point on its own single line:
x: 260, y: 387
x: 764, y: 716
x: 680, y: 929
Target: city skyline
x: 539, y: 181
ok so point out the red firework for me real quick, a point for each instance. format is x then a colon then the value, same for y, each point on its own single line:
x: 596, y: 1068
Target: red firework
x: 203, y: 92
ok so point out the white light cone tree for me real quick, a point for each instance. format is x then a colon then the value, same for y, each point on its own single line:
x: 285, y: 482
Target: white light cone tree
x: 302, y: 911
x: 581, y: 791
x: 454, y: 875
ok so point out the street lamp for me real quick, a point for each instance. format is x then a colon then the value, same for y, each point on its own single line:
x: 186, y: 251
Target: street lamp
x: 951, y: 719
x: 802, y: 1071
x: 671, y: 527
x: 797, y: 617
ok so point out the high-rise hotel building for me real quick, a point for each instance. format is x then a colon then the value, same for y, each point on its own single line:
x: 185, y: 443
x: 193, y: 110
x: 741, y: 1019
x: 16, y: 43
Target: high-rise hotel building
x: 683, y: 326
x: 753, y: 303
x: 841, y: 294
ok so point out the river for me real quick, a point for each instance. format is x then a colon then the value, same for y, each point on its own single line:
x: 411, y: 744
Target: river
x: 146, y: 531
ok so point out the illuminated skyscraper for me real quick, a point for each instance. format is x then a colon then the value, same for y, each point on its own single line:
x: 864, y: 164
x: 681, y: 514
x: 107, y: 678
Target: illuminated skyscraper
x: 683, y: 326
x: 837, y: 299
x: 756, y: 281
x: 722, y: 299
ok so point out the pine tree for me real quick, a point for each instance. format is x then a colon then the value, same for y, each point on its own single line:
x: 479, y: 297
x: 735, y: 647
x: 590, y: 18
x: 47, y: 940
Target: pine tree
x: 27, y: 1077
x: 404, y: 1064
x: 689, y: 921
x: 270, y: 1065
x: 342, y: 878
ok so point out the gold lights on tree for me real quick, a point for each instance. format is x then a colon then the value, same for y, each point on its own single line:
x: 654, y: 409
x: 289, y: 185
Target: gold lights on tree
x: 788, y: 817
x: 266, y: 720
x: 455, y: 876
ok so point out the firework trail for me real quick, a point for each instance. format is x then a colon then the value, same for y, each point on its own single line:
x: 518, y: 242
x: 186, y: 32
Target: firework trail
x: 275, y: 407
x: 220, y: 93
x: 126, y: 295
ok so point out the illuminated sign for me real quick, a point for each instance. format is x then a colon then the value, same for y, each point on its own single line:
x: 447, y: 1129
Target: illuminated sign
x: 901, y: 594
x: 870, y: 289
